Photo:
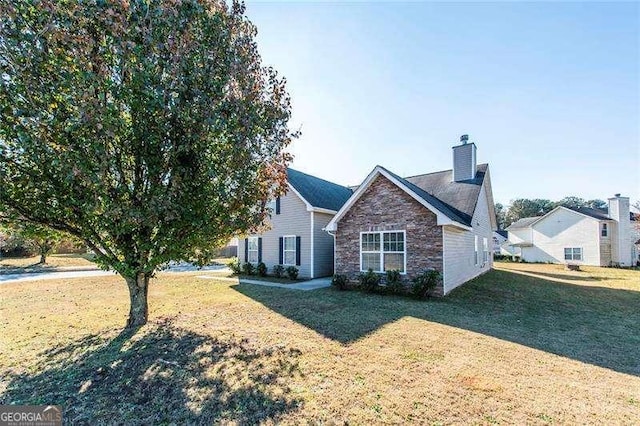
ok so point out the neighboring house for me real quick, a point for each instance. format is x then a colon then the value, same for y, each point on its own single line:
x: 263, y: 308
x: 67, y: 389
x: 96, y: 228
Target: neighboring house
x: 581, y: 236
x: 499, y: 238
x: 635, y: 237
x: 443, y: 220
x: 295, y: 237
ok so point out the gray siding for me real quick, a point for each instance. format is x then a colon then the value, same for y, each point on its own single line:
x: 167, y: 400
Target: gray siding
x: 323, y: 246
x: 294, y: 219
x: 459, y: 247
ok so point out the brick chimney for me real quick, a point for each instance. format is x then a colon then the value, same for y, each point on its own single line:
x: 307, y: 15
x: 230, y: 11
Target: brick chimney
x: 464, y: 160
x: 621, y: 238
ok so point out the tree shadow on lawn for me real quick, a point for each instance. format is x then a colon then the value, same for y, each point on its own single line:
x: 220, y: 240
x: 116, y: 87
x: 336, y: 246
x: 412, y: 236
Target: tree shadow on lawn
x: 161, y: 374
x: 596, y: 325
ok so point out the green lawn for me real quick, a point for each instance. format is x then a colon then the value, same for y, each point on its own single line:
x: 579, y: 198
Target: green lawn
x: 524, y: 344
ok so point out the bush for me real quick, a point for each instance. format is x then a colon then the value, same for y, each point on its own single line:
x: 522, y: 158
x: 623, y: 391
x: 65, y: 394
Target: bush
x: 370, y: 281
x: 262, y: 269
x: 339, y: 282
x: 425, y: 283
x: 292, y: 272
x: 278, y: 271
x: 394, y: 282
x: 235, y: 266
x: 248, y: 268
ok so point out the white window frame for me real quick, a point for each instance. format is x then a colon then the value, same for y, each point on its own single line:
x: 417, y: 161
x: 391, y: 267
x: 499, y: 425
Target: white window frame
x: 382, y: 252
x: 604, y: 230
x: 250, y: 251
x: 284, y: 252
x: 485, y: 253
x: 572, y: 256
x: 477, y: 252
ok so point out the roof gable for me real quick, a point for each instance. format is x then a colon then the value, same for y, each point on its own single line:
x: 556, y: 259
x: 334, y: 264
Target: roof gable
x: 583, y: 211
x: 444, y: 214
x: 316, y: 192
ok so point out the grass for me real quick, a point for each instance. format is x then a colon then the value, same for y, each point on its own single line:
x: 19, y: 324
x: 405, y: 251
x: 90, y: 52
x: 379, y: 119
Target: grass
x: 53, y: 261
x: 524, y: 344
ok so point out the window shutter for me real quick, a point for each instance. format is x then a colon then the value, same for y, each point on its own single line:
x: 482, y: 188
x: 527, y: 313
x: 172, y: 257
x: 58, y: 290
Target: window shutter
x: 280, y: 253
x: 278, y: 206
x: 298, y: 251
x: 259, y: 249
x: 246, y: 250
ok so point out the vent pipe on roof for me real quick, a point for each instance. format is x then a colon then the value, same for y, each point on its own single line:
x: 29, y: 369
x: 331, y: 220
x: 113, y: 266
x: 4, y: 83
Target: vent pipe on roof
x: 464, y: 160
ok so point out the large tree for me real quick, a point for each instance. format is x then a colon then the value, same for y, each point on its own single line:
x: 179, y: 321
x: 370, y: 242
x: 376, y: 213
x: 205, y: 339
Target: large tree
x: 149, y: 129
x: 524, y: 207
x: 42, y: 238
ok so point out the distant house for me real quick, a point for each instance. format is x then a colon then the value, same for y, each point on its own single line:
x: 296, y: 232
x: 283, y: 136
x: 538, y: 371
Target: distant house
x: 582, y: 235
x: 499, y: 239
x: 443, y: 221
x: 296, y: 237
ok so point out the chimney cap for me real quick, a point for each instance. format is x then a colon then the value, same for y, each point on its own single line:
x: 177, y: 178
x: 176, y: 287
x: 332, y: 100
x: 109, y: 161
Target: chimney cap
x: 464, y: 139
x: 616, y: 195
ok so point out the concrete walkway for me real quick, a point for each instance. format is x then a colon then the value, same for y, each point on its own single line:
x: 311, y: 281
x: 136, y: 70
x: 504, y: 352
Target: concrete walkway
x: 304, y: 286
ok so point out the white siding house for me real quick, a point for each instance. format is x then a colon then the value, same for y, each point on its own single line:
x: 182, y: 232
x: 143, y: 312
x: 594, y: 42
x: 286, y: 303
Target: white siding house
x: 580, y: 236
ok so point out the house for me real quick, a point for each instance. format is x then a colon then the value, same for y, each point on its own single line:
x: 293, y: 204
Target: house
x: 499, y: 238
x: 443, y: 220
x: 576, y: 235
x: 295, y: 236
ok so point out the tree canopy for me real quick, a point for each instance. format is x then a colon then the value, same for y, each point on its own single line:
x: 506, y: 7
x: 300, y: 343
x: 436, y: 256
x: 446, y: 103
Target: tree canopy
x: 523, y: 207
x: 148, y: 129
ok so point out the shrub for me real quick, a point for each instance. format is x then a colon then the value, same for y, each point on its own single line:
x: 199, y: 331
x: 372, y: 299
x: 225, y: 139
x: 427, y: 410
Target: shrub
x: 394, y: 282
x: 235, y: 266
x: 262, y: 269
x: 278, y: 271
x: 369, y: 281
x: 292, y: 272
x: 248, y: 268
x: 424, y: 283
x: 339, y: 282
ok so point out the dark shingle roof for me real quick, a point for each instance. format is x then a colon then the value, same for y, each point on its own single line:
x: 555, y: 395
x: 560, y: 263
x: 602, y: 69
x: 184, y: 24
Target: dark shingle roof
x: 319, y: 192
x: 523, y: 223
x: 502, y: 232
x: 458, y: 197
x: 448, y: 210
x: 594, y: 213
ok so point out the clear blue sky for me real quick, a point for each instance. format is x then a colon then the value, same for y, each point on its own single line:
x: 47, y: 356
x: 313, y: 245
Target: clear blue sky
x: 549, y: 92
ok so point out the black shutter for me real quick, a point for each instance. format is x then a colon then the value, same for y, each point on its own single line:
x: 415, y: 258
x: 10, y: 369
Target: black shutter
x: 278, y: 206
x: 259, y: 249
x: 280, y: 254
x: 246, y: 250
x: 298, y: 251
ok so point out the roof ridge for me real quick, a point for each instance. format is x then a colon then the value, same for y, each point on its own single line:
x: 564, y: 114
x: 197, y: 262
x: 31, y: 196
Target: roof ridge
x: 441, y: 171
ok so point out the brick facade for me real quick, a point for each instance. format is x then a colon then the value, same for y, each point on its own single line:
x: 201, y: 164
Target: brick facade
x: 385, y: 207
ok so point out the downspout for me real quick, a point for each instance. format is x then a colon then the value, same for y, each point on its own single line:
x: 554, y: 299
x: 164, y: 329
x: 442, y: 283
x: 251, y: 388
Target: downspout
x: 312, y: 248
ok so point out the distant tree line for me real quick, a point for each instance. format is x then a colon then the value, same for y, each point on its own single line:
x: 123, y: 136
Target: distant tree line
x: 523, y: 207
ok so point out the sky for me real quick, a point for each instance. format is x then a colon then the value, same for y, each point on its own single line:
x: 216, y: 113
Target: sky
x: 548, y: 91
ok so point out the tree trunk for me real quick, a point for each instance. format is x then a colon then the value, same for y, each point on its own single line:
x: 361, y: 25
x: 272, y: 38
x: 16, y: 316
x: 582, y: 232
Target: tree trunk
x: 43, y: 258
x: 139, y: 310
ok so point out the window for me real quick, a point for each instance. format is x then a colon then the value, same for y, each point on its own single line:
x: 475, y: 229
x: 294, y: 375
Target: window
x: 573, y: 253
x: 605, y: 230
x: 252, y: 251
x: 477, y: 254
x: 271, y: 205
x: 382, y: 251
x: 485, y: 254
x: 289, y: 250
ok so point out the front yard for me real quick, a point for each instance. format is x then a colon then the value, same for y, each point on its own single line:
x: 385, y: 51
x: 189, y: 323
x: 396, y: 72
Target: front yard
x: 524, y: 344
